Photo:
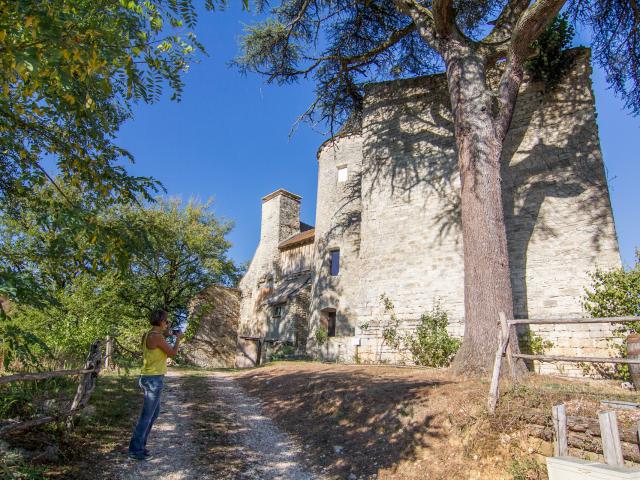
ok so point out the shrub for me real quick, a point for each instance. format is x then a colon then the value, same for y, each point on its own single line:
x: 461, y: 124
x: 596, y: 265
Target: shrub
x: 282, y: 351
x: 615, y: 293
x: 321, y: 336
x: 533, y: 344
x: 390, y: 332
x: 431, y: 345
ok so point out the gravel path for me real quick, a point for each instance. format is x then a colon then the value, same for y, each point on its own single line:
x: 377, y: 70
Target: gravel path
x: 265, y: 451
x: 170, y: 440
x: 269, y: 453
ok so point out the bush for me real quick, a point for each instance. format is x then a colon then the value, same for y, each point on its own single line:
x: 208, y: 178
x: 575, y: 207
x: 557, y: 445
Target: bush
x: 282, y: 351
x: 533, y: 344
x: 615, y: 293
x: 431, y: 345
x: 26, y: 399
x: 321, y: 336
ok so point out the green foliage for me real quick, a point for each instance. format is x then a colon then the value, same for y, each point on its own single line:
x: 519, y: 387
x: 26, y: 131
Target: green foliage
x: 89, y: 308
x: 321, y: 335
x: 615, y: 293
x: 44, y: 246
x: 283, y: 351
x: 174, y: 251
x: 284, y: 48
x: 184, y: 251
x: 70, y: 72
x: 526, y: 469
x: 533, y: 344
x: 25, y: 399
x: 390, y: 332
x: 431, y: 345
x: 552, y: 62
x: 20, y: 345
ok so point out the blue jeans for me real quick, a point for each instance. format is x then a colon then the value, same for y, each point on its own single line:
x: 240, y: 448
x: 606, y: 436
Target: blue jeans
x: 151, y: 385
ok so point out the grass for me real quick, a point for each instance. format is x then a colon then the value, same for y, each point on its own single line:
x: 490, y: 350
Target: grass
x: 526, y: 469
x: 25, y: 399
x: 103, y: 428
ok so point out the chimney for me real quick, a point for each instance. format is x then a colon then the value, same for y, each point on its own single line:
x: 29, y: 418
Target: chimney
x: 280, y: 217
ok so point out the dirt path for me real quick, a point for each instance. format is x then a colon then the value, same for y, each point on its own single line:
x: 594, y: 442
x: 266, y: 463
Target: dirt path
x: 239, y: 434
x: 268, y: 453
x: 171, y: 441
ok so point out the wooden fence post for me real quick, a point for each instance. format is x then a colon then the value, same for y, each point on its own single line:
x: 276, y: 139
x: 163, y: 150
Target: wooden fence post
x: 108, y: 353
x: 504, y: 326
x: 497, y: 365
x: 610, y: 439
x: 561, y: 445
x: 87, y: 381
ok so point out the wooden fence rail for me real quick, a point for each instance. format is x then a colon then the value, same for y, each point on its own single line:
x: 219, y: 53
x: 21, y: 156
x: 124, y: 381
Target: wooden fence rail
x: 23, y: 377
x: 505, y: 327
x: 85, y: 388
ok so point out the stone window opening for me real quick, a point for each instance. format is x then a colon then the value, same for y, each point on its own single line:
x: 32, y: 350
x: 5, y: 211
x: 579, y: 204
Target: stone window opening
x: 343, y: 173
x: 278, y: 310
x: 334, y: 262
x: 329, y: 321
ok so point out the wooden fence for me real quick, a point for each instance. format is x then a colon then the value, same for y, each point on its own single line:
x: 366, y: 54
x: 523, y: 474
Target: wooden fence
x: 507, y: 330
x: 85, y: 388
x: 614, y: 446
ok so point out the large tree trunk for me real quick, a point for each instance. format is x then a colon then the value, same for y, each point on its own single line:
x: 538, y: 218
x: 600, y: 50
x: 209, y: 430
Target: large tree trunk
x: 487, y: 280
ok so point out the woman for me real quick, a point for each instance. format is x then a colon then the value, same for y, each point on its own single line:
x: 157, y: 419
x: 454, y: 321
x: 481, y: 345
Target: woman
x: 155, y: 351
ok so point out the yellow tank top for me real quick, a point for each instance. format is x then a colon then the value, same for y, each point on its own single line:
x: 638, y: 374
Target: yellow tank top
x: 154, y: 360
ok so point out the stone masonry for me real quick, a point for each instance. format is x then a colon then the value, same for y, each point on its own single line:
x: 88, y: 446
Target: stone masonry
x: 213, y: 344
x: 388, y: 203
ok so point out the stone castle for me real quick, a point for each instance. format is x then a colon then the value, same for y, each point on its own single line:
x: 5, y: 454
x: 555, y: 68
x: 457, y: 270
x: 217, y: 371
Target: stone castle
x: 387, y: 224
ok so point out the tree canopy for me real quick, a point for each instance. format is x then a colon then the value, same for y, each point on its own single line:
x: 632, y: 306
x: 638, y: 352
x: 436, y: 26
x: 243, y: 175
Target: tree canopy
x: 70, y: 72
x: 175, y: 251
x: 343, y: 44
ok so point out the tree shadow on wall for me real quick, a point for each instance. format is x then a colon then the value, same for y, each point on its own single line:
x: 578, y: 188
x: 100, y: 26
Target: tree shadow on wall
x: 328, y: 292
x: 349, y: 421
x: 410, y: 159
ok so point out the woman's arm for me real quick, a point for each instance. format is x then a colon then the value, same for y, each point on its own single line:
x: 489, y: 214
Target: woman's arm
x: 156, y: 340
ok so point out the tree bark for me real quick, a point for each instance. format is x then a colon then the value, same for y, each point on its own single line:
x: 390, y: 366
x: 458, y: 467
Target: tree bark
x: 487, y: 279
x: 481, y: 120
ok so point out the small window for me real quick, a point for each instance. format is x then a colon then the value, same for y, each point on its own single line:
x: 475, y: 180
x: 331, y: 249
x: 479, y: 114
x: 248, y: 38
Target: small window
x: 331, y: 324
x: 342, y: 174
x: 278, y: 310
x: 334, y: 262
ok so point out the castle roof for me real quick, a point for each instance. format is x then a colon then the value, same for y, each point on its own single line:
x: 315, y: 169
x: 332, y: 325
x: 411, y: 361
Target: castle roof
x: 288, y: 290
x: 301, y: 238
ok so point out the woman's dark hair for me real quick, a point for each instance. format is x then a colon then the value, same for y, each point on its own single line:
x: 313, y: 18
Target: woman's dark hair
x: 157, y: 316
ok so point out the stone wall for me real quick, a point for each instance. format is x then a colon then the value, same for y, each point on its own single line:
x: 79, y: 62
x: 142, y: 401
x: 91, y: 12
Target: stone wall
x: 215, y: 311
x: 338, y: 215
x: 280, y: 220
x: 408, y: 245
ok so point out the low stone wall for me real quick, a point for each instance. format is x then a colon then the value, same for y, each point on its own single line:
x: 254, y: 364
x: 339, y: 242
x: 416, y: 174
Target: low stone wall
x: 587, y: 340
x: 582, y: 340
x: 216, y: 311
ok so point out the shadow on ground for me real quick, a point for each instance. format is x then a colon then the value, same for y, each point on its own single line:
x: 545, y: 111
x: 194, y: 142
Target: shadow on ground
x: 349, y: 421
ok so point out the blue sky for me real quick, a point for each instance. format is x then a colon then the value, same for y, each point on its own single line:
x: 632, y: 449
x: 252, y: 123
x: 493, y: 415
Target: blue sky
x: 228, y: 139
